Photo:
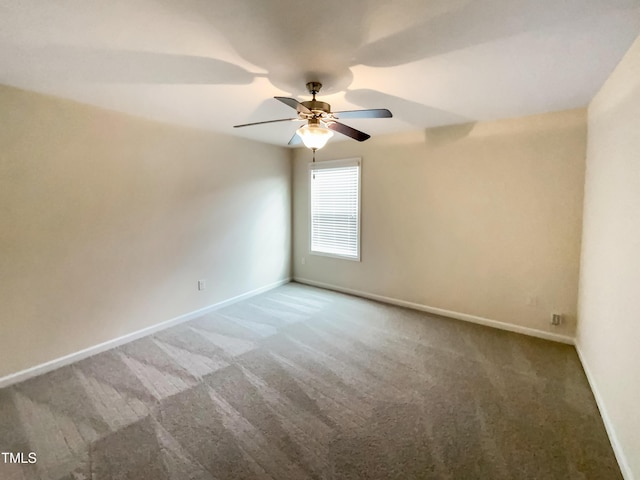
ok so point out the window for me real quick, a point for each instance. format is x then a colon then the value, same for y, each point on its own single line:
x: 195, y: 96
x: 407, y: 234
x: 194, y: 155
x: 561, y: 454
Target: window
x: 335, y: 208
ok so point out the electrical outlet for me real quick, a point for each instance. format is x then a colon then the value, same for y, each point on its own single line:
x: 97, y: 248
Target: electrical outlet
x: 202, y: 284
x: 304, y: 260
x: 556, y: 319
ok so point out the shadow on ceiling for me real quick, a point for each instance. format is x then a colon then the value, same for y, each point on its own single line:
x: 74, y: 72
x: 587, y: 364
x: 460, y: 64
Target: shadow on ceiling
x: 296, y: 42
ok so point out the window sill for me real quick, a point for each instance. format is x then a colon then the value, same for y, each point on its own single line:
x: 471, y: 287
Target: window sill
x: 335, y: 255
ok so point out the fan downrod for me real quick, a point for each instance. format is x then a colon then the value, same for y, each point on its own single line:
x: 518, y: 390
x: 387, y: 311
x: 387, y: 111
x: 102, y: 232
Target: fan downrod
x: 314, y: 88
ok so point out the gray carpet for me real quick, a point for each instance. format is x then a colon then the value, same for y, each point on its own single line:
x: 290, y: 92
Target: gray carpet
x: 301, y: 383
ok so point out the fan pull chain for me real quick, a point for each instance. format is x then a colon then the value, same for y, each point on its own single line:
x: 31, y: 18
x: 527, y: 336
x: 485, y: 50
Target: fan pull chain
x: 314, y: 161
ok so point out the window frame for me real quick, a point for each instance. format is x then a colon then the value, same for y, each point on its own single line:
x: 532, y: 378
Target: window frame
x: 344, y: 162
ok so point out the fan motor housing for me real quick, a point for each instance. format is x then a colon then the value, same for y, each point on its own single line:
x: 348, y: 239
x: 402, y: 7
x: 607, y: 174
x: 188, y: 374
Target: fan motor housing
x: 315, y: 105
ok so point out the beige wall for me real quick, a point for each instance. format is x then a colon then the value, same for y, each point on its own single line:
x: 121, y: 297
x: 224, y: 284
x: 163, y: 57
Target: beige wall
x: 609, y: 302
x: 480, y: 219
x: 108, y: 221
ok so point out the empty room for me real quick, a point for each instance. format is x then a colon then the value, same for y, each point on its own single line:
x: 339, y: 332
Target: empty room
x: 285, y: 240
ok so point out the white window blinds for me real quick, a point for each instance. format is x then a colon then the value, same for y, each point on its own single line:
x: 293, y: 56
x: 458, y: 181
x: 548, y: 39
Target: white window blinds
x: 335, y: 208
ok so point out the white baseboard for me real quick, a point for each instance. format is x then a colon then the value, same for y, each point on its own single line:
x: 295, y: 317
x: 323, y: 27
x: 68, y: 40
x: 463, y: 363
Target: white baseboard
x: 116, y: 342
x: 445, y: 313
x: 608, y: 425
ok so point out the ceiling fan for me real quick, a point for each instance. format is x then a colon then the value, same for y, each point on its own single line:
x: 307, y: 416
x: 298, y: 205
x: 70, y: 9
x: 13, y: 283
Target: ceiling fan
x: 321, y: 121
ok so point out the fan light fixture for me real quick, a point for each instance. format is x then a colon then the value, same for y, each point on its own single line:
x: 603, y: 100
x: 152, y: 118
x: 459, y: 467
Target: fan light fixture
x: 314, y: 135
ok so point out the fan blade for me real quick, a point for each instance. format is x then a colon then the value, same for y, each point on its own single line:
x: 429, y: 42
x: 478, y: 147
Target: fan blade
x: 295, y: 104
x: 418, y: 114
x: 268, y: 121
x: 348, y: 131
x: 295, y: 140
x: 373, y: 113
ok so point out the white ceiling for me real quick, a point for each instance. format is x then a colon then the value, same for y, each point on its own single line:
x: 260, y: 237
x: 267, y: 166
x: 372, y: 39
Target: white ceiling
x: 215, y: 63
